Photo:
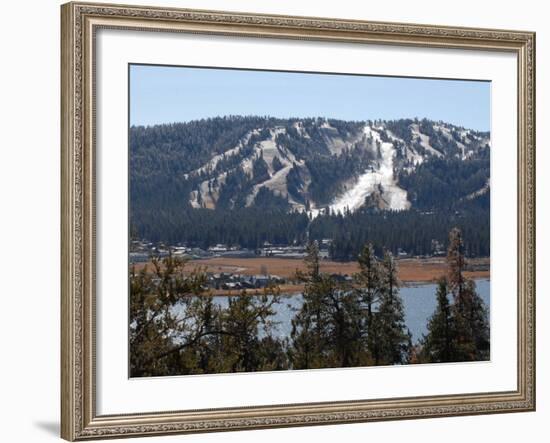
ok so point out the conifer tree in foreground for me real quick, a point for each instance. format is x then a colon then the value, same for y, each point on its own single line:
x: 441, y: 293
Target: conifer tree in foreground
x: 368, y: 280
x: 394, y: 339
x: 176, y: 328
x: 469, y: 310
x: 242, y: 346
x: 440, y: 344
x: 457, y: 331
x: 309, y: 326
x: 368, y: 286
x: 328, y: 329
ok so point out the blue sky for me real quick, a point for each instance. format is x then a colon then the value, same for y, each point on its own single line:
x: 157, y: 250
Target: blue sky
x: 161, y: 94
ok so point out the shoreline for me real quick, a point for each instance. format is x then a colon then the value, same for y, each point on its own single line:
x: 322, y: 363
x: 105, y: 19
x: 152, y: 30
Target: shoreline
x: 411, y: 271
x: 291, y: 290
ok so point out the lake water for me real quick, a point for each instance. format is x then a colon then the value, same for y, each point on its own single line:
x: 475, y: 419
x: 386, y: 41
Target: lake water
x: 419, y: 302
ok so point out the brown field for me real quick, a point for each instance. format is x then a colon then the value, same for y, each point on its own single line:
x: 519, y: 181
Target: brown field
x: 413, y: 270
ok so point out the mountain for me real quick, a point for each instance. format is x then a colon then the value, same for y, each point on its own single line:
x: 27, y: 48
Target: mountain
x: 313, y: 168
x: 312, y: 164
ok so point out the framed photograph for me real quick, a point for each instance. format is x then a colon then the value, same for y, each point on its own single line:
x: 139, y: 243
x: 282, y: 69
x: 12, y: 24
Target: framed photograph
x: 282, y: 221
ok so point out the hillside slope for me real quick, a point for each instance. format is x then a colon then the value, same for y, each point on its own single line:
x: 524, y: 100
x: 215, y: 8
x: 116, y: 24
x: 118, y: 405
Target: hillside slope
x: 313, y: 164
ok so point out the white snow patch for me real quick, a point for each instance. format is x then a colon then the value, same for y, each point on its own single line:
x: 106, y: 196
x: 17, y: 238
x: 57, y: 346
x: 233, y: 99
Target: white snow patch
x: 299, y: 126
x: 484, y: 189
x: 276, y: 183
x: 277, y: 180
x: 424, y: 140
x: 269, y: 148
x: 382, y: 175
x: 414, y: 157
x: 208, y: 195
x: 469, y: 139
x: 213, y: 162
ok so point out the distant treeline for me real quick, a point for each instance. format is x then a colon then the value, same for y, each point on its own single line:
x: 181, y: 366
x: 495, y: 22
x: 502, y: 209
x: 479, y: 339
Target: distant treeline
x: 413, y: 231
x: 340, y: 324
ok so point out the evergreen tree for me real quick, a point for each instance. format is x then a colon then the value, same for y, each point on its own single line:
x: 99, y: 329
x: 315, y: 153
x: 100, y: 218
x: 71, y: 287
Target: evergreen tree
x: 153, y: 296
x: 310, y: 326
x: 367, y: 283
x: 260, y: 170
x: 241, y: 342
x: 394, y: 339
x: 312, y: 260
x: 469, y: 310
x: 440, y: 344
x: 328, y: 330
x: 277, y: 164
x: 206, y: 338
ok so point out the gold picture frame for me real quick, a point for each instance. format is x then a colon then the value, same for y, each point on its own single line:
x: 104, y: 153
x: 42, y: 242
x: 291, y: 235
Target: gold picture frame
x: 79, y: 22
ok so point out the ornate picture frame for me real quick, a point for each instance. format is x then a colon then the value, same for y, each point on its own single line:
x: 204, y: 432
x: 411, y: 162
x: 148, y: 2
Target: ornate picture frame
x: 80, y: 23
